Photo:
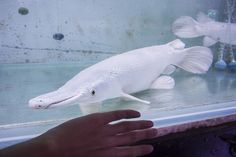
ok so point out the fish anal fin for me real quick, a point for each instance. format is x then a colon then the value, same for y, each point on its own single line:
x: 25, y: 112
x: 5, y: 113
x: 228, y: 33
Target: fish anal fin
x: 169, y: 70
x: 163, y: 82
x: 207, y: 41
x: 130, y: 97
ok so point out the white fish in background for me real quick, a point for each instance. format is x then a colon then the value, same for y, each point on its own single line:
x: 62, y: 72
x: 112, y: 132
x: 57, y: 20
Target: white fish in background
x: 127, y: 73
x: 187, y: 27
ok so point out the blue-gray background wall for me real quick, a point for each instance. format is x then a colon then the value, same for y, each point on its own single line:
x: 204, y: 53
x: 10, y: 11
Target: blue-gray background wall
x: 92, y: 29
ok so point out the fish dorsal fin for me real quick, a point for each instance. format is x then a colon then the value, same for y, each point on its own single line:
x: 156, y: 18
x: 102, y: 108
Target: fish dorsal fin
x: 203, y: 18
x: 177, y: 44
x: 169, y: 70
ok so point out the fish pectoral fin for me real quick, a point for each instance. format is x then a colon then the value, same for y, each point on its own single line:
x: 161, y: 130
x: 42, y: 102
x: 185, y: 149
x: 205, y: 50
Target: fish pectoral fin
x: 169, y: 70
x: 163, y: 82
x: 207, y: 41
x: 90, y: 108
x: 127, y: 96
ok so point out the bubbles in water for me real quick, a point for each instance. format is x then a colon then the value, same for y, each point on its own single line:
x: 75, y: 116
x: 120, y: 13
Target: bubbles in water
x: 212, y: 13
x: 58, y: 36
x: 23, y: 11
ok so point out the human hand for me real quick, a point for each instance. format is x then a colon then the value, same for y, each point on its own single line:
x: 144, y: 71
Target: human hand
x: 94, y: 136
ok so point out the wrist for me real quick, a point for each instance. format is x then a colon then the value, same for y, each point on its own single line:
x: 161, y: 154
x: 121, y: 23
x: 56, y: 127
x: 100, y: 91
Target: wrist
x: 46, y: 145
x: 49, y: 144
x: 35, y: 147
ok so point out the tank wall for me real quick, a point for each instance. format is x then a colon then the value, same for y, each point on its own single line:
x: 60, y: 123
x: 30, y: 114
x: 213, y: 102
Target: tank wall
x: 77, y: 30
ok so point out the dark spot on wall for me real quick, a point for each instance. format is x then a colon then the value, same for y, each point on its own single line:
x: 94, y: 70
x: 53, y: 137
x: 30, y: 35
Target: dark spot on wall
x: 3, y: 25
x: 79, y: 28
x: 23, y: 11
x: 59, y: 55
x: 25, y: 26
x: 146, y: 21
x: 83, y: 51
x: 27, y: 61
x: 130, y: 33
x: 58, y: 36
x: 7, y: 87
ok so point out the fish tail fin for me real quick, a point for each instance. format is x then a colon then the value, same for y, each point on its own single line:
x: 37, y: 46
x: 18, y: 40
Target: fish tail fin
x: 186, y: 27
x: 196, y: 59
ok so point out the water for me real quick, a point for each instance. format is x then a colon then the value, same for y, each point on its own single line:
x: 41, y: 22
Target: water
x: 21, y: 82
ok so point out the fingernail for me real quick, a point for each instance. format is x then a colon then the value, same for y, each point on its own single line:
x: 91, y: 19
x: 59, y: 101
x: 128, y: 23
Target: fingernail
x: 150, y: 148
x: 135, y: 113
x: 149, y: 123
x: 138, y: 114
x: 147, y: 149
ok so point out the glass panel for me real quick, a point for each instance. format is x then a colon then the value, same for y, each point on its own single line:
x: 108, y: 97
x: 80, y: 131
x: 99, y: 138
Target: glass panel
x: 45, y: 43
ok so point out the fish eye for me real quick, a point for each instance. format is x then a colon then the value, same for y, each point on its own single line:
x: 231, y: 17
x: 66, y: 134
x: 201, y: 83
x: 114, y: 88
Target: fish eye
x: 93, y: 92
x: 39, y: 106
x: 40, y: 101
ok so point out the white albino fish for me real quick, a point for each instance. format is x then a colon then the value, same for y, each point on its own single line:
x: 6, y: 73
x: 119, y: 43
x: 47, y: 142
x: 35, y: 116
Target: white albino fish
x: 187, y: 27
x: 127, y: 73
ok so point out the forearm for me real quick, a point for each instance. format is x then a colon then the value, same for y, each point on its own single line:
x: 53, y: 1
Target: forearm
x: 36, y: 147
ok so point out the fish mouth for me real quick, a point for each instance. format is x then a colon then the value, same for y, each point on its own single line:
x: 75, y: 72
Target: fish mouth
x: 57, y: 102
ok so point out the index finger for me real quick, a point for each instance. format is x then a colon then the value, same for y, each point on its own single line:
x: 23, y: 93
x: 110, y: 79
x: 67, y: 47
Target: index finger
x: 108, y: 117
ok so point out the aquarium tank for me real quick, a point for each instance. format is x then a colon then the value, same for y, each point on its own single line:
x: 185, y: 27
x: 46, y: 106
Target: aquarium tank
x: 44, y: 44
